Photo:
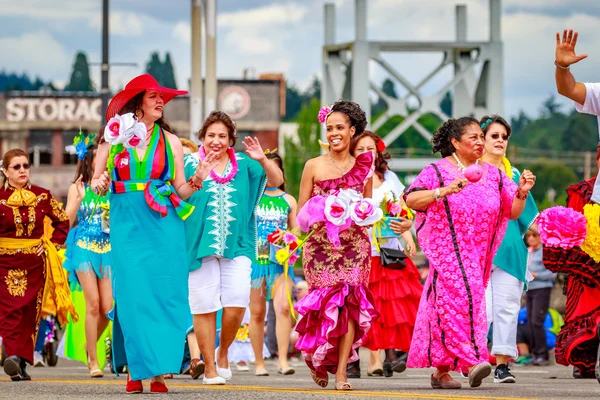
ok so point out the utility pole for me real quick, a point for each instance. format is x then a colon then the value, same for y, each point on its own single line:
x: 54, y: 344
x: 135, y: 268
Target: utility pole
x: 104, y: 91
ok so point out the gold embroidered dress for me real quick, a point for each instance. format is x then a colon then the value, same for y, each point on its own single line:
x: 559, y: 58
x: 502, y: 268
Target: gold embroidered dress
x: 22, y: 271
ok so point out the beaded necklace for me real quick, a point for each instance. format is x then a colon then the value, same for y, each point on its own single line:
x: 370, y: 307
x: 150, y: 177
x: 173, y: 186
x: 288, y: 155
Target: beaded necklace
x: 460, y: 165
x: 234, y: 167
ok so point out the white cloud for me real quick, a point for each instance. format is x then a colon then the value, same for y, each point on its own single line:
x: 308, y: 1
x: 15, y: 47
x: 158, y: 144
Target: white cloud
x: 55, y: 10
x: 121, y: 24
x: 35, y: 52
x: 182, y: 31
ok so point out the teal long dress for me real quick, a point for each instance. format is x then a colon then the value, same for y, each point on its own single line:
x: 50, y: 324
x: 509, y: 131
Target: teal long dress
x: 150, y: 271
x: 512, y: 254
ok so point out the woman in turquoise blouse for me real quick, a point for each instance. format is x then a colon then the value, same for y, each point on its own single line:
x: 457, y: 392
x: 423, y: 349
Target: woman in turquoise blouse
x: 509, y: 273
x: 221, y: 237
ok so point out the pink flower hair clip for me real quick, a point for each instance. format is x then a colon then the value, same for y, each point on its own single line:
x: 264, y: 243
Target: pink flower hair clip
x: 323, y: 113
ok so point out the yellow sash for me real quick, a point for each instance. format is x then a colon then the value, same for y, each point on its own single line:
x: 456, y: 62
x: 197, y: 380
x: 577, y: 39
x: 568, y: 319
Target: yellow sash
x: 57, y: 295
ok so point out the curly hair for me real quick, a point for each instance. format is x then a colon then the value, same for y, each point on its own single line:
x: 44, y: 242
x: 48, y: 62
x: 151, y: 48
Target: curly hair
x: 488, y: 120
x: 381, y: 159
x: 356, y: 116
x: 451, y: 129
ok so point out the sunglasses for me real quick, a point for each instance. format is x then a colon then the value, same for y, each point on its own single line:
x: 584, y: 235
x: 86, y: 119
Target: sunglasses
x: 496, y: 136
x: 19, y: 166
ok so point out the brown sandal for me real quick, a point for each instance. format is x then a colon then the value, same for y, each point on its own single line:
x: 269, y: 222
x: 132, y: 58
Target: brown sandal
x: 322, y: 382
x: 439, y: 383
x: 343, y: 386
x: 196, y: 368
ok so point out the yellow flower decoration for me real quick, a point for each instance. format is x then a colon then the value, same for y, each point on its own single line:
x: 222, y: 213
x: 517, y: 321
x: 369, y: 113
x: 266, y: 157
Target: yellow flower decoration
x: 591, y: 244
x: 281, y: 255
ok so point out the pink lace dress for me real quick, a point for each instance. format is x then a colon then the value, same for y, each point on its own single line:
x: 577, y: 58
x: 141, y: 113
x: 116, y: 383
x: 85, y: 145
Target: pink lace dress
x: 337, y: 278
x: 459, y: 235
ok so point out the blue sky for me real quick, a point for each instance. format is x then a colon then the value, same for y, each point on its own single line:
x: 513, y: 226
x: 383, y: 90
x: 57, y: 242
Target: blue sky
x: 42, y: 36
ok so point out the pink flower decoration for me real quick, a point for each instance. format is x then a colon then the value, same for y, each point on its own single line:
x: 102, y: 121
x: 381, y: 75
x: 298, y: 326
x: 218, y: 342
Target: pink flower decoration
x: 289, y: 238
x: 395, y: 209
x: 122, y: 159
x: 313, y: 212
x: 112, y: 129
x: 562, y: 227
x: 365, y: 212
x: 337, y: 210
x: 323, y: 113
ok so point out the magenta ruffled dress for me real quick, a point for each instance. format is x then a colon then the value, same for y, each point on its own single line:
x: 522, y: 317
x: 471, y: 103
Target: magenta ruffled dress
x: 338, y: 280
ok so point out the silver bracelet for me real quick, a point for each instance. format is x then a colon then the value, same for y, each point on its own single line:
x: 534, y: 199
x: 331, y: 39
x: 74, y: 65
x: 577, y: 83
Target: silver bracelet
x: 437, y: 195
x: 561, y: 67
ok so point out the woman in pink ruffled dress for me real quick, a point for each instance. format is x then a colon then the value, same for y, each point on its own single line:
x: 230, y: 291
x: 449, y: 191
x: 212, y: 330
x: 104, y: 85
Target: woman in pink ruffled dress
x: 460, y: 225
x: 337, y: 312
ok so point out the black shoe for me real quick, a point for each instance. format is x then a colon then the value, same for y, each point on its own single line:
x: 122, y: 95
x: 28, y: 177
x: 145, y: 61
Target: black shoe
x: 388, y: 371
x: 24, y: 375
x: 353, y: 370
x: 577, y: 373
x: 12, y: 368
x: 503, y: 375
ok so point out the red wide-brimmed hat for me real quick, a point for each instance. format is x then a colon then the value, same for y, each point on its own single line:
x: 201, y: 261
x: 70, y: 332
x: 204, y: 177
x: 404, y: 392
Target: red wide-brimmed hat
x: 135, y: 86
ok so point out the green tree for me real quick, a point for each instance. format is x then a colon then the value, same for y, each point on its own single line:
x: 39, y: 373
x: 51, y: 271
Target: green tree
x: 293, y: 103
x: 551, y: 178
x: 550, y: 106
x: 154, y: 67
x: 446, y: 103
x: 305, y: 147
x: 80, y: 75
x: 519, y: 122
x: 581, y: 133
x: 168, y: 73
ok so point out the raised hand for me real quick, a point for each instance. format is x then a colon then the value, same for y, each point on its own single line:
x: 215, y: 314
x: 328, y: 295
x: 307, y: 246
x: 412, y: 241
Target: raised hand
x: 253, y: 148
x: 526, y: 181
x: 205, y: 166
x: 565, y: 48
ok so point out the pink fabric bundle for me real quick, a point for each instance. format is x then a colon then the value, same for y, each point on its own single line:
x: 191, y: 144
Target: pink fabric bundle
x: 562, y: 227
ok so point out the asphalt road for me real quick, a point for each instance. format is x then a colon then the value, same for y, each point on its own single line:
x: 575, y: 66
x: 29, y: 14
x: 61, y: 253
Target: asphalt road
x: 69, y: 380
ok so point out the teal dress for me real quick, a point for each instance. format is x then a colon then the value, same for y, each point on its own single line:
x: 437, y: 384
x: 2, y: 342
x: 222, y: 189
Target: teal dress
x: 223, y: 224
x: 512, y: 254
x: 272, y: 214
x: 88, y: 245
x: 150, y: 271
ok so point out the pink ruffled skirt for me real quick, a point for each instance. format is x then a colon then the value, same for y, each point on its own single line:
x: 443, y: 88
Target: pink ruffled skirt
x: 325, y: 315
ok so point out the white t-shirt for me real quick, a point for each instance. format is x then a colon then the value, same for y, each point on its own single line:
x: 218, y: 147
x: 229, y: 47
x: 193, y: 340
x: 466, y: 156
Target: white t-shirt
x: 391, y: 184
x: 592, y: 100
x: 592, y: 106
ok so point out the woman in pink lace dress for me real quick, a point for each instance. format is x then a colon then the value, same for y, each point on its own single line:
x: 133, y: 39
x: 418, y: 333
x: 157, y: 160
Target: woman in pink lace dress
x: 337, y: 312
x: 460, y: 225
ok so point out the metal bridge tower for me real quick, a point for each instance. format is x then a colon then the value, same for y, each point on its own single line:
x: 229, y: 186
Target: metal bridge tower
x: 477, y: 82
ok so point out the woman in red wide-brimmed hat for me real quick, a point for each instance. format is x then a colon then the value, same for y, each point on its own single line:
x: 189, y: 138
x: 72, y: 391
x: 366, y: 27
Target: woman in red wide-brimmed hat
x: 150, y: 272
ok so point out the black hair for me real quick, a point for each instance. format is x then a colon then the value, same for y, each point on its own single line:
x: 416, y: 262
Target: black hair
x: 277, y: 158
x: 451, y: 129
x: 356, y: 115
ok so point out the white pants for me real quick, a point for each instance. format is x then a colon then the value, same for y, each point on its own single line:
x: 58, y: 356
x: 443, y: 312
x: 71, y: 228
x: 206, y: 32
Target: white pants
x: 503, y: 303
x: 220, y: 283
